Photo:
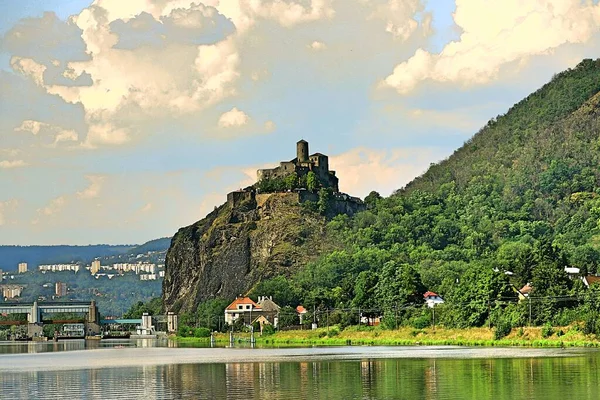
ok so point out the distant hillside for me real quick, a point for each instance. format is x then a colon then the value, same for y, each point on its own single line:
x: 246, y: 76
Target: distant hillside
x: 11, y: 256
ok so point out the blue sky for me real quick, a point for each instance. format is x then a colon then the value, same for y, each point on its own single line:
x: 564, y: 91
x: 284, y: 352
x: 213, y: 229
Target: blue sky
x: 122, y: 121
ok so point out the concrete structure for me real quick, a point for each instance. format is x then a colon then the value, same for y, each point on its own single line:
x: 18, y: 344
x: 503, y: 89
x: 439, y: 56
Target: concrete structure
x: 58, y: 268
x: 11, y: 291
x: 60, y: 289
x: 303, y: 164
x: 1, y: 275
x: 145, y: 328
x: 22, y: 268
x: 136, y: 268
x: 95, y: 267
x: 36, y: 310
x: 172, y: 323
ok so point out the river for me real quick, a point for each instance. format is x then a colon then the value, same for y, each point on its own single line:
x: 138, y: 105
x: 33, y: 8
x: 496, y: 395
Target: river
x: 161, y: 370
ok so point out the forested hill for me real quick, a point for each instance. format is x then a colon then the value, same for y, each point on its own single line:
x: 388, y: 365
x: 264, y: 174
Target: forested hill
x: 556, y: 123
x: 522, y: 196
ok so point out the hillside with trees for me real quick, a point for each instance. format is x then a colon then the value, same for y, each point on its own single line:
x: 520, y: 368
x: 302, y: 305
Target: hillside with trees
x: 516, y: 204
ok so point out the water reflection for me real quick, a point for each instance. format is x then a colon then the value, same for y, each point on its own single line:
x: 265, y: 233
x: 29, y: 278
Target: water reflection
x: 577, y: 377
x: 367, y: 379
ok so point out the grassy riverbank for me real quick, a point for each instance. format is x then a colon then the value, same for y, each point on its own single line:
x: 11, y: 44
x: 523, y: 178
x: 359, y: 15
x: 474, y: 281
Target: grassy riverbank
x: 571, y: 336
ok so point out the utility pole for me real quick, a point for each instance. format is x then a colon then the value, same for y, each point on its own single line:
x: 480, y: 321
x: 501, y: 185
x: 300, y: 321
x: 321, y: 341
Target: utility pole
x: 529, y: 297
x: 433, y: 311
x: 396, y: 314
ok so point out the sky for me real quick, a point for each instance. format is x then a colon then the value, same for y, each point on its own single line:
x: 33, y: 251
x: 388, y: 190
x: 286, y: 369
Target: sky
x: 122, y: 121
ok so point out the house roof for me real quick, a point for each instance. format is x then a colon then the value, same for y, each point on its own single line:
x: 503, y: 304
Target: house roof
x: 591, y: 279
x: 301, y: 310
x: 302, y: 141
x: 430, y: 294
x: 267, y: 304
x: 242, y: 301
x: 318, y: 154
x: 526, y: 289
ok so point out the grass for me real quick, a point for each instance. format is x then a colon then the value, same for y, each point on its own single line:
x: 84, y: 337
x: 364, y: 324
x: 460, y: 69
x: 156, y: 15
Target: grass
x: 519, y: 337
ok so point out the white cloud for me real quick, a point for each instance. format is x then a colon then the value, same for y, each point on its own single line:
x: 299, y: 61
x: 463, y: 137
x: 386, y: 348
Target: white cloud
x: 362, y: 170
x: 66, y: 135
x: 233, y: 118
x: 94, y: 189
x: 270, y: 126
x: 6, y: 164
x: 59, y: 134
x: 495, y: 33
x: 30, y: 68
x: 30, y: 126
x: 316, y: 46
x: 399, y: 16
x: 53, y: 207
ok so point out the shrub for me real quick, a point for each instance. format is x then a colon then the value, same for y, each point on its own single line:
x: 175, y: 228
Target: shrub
x: 547, y: 331
x: 201, y: 332
x: 268, y: 330
x: 503, y: 328
x: 333, y: 332
x: 421, y: 322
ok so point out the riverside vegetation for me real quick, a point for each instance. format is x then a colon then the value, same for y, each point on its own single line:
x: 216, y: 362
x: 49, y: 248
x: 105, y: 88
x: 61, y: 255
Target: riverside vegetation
x: 521, y: 196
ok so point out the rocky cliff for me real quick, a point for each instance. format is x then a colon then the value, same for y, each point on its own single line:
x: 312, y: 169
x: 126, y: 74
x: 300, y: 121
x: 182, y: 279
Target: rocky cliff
x: 240, y: 243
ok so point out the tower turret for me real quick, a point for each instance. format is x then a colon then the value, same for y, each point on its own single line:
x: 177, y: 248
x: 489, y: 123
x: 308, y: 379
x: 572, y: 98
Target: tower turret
x: 302, y: 151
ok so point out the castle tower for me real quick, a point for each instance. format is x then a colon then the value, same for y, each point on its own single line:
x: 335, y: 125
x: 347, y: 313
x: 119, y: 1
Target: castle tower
x: 302, y: 151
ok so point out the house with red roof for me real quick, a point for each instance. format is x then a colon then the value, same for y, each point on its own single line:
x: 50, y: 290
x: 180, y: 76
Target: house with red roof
x: 246, y: 308
x: 432, y: 299
x: 242, y: 307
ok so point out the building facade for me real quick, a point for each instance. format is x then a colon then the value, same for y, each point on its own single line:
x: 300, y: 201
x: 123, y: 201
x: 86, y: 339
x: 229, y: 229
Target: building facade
x: 60, y: 289
x: 303, y: 164
x: 22, y: 268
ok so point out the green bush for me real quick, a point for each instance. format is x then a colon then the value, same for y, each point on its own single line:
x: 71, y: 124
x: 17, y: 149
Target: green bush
x: 421, y: 322
x: 547, y: 331
x: 201, y: 332
x: 503, y: 328
x: 333, y: 332
x: 268, y: 330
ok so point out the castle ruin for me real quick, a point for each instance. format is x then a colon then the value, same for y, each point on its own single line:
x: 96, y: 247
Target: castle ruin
x: 303, y: 164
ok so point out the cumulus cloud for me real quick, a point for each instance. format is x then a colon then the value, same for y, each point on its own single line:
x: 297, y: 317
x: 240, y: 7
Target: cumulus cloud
x: 497, y: 33
x: 30, y: 68
x: 364, y: 169
x: 57, y: 133
x: 94, y: 188
x: 6, y: 164
x: 53, y: 207
x: 316, y: 46
x: 270, y: 126
x: 400, y: 16
x: 233, y: 118
x: 30, y: 126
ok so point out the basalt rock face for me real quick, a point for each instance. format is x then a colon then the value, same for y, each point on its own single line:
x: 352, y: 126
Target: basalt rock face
x: 239, y: 244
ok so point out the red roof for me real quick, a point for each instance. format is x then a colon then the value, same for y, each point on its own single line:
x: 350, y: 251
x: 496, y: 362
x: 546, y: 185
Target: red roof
x: 526, y: 289
x: 591, y: 279
x: 430, y: 294
x: 242, y: 301
x: 301, y: 310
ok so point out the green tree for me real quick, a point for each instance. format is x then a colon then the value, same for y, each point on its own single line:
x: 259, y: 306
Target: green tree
x: 312, y: 182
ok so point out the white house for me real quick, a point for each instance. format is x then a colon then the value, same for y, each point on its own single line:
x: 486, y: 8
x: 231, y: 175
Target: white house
x: 432, y: 299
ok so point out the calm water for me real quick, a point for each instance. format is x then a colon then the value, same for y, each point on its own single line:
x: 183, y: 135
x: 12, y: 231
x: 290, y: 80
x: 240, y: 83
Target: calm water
x: 158, y: 370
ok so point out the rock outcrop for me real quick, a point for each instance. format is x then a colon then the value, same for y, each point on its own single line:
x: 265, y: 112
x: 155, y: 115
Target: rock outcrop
x: 246, y: 240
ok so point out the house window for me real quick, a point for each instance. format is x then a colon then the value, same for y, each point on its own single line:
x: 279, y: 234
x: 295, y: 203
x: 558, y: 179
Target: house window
x: 247, y: 307
x: 240, y: 307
